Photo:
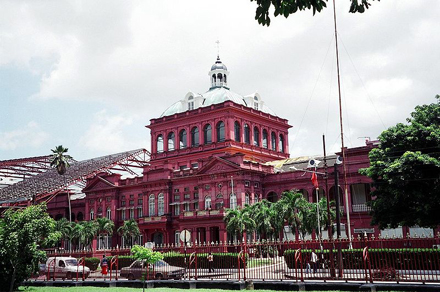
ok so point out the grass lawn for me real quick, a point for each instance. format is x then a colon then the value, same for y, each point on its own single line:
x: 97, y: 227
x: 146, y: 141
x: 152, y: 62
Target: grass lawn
x: 258, y: 262
x: 96, y: 289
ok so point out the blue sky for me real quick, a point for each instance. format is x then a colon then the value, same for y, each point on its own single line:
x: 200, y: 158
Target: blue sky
x: 90, y: 75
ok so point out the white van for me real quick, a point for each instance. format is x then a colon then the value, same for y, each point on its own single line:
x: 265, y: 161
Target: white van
x: 65, y: 267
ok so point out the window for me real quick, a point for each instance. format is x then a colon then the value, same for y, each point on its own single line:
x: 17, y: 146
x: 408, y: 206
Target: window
x: 264, y: 139
x: 187, y: 196
x: 176, y: 198
x: 273, y: 141
x: 177, y: 238
x: 92, y: 214
x: 207, y: 134
x: 207, y: 187
x: 177, y: 210
x: 190, y: 102
x: 207, y: 202
x: 176, y: 190
x: 171, y: 141
x: 196, y: 205
x: 131, y: 202
x: 195, y: 137
x: 131, y: 213
x: 186, y: 189
x: 140, y: 212
x: 281, y: 143
x: 140, y: 201
x: 196, y: 195
x: 151, y: 206
x: 186, y: 207
x: 256, y: 137
x: 123, y: 203
x: 237, y: 134
x: 182, y: 139
x: 256, y: 185
x: 255, y: 102
x: 233, y: 202
x: 247, y: 183
x: 108, y: 199
x: 160, y: 205
x: 122, y: 215
x: 194, y: 165
x: 159, y: 143
x: 109, y: 213
x: 220, y: 131
x: 247, y: 199
x: 247, y: 135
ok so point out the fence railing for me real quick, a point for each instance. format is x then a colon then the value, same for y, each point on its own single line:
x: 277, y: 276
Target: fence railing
x: 369, y: 260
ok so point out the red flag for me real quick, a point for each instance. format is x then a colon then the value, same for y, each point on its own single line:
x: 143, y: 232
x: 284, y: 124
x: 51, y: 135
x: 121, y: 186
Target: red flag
x: 315, y: 180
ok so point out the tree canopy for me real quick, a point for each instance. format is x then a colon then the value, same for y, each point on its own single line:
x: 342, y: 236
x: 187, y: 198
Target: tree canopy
x: 22, y: 233
x: 405, y: 169
x: 287, y: 7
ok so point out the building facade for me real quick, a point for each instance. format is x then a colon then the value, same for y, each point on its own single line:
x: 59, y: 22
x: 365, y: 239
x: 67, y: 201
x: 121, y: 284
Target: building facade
x: 214, y: 151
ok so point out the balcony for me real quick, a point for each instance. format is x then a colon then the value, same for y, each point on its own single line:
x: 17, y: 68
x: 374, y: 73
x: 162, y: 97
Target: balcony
x: 360, y: 208
x: 202, y: 214
x: 154, y: 219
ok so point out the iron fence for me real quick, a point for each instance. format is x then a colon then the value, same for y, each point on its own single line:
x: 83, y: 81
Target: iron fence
x: 369, y: 260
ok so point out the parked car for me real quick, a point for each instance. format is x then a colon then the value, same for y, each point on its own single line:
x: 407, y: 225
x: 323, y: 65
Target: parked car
x: 160, y: 270
x: 65, y: 268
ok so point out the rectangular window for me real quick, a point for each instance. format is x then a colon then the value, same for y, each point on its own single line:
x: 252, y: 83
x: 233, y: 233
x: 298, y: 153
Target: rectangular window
x: 247, y: 183
x: 187, y: 196
x: 123, y: 203
x: 177, y: 210
x: 108, y: 199
x: 123, y: 215
x: 196, y: 195
x: 140, y: 213
x: 196, y: 205
x: 186, y: 206
x: 140, y: 201
x: 131, y: 213
x: 131, y: 196
x: 194, y: 165
x: 176, y: 190
x: 176, y: 198
x: 256, y: 185
x: 177, y: 237
x: 186, y: 189
x: 207, y: 187
x: 131, y: 202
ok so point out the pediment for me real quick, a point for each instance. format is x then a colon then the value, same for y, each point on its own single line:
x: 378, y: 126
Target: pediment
x: 218, y: 165
x: 97, y: 184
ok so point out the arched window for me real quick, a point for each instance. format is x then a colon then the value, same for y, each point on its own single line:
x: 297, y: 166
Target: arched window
x: 92, y: 214
x: 159, y: 143
x: 214, y: 78
x: 182, y: 139
x: 273, y: 141
x: 256, y: 137
x: 151, y: 206
x: 220, y: 77
x: 160, y: 205
x: 265, y: 139
x: 220, y: 131
x: 247, y: 135
x: 224, y: 76
x: 194, y: 137
x: 237, y: 132
x: 190, y: 102
x: 109, y: 213
x: 80, y: 216
x: 233, y: 202
x: 281, y: 143
x: 272, y: 197
x: 171, y: 141
x: 207, y: 134
x: 207, y: 202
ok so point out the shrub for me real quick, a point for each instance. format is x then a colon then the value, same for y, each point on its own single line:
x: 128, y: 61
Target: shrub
x: 92, y: 263
x: 221, y: 260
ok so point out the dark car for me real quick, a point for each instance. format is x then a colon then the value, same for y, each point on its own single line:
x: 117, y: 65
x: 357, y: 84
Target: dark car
x: 160, y: 270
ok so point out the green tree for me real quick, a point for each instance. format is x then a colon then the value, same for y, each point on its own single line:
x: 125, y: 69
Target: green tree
x: 129, y: 230
x: 22, y: 233
x: 65, y: 229
x: 288, y: 208
x: 85, y: 231
x: 405, y: 169
x: 239, y: 221
x: 105, y: 226
x: 146, y: 255
x: 287, y: 7
x: 265, y: 216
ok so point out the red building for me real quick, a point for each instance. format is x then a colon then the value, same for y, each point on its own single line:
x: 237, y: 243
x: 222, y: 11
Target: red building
x: 215, y: 151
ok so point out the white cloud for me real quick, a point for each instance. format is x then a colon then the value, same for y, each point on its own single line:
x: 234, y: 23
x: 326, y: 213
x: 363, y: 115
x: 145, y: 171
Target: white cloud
x: 108, y: 134
x: 29, y: 136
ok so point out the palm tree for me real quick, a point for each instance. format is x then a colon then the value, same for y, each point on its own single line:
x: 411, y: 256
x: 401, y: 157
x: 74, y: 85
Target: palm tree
x: 85, y: 231
x: 60, y: 161
x: 264, y: 218
x: 129, y: 230
x: 105, y: 226
x: 64, y: 228
x: 289, y: 209
x: 239, y: 221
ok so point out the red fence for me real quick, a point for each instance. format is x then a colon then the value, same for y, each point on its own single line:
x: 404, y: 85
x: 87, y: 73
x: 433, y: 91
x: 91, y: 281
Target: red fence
x: 395, y: 260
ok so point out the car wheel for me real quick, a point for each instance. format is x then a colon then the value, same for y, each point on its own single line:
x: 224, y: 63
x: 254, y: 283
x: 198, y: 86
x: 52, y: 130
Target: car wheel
x: 69, y: 276
x: 159, y: 276
x: 130, y: 277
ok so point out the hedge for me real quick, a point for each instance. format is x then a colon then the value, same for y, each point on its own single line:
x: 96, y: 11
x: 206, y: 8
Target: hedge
x: 91, y: 263
x: 221, y: 260
x: 123, y: 261
x: 397, y: 258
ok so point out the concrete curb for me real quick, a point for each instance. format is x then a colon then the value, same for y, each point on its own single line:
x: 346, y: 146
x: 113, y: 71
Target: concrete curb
x: 241, y: 285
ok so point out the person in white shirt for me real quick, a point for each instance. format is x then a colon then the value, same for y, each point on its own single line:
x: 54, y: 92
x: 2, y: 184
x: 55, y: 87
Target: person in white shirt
x: 314, y: 260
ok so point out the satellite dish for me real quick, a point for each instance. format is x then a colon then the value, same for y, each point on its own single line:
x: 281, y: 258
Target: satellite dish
x: 185, y: 236
x: 313, y: 163
x: 338, y: 159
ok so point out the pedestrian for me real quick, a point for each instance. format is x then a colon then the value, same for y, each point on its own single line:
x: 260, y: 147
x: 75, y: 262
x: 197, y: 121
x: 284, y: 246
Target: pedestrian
x: 314, y: 260
x: 210, y: 262
x: 104, y: 265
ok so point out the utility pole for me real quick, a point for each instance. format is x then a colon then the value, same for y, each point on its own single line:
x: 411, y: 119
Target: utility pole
x: 329, y: 221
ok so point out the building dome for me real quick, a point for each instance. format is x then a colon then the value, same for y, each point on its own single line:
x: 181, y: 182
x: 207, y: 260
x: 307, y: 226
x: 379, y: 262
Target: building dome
x: 218, y: 65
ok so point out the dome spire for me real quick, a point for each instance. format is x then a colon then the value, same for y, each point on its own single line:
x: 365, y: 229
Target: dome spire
x: 219, y: 73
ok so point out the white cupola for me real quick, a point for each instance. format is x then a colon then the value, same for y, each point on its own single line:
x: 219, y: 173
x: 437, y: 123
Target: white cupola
x: 219, y: 75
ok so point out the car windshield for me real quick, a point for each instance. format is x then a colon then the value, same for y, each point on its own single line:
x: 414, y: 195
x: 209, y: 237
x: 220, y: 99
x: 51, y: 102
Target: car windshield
x: 160, y: 264
x: 72, y: 262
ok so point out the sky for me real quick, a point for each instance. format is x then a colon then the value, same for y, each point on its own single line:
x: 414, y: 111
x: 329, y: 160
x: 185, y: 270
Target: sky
x: 89, y: 75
